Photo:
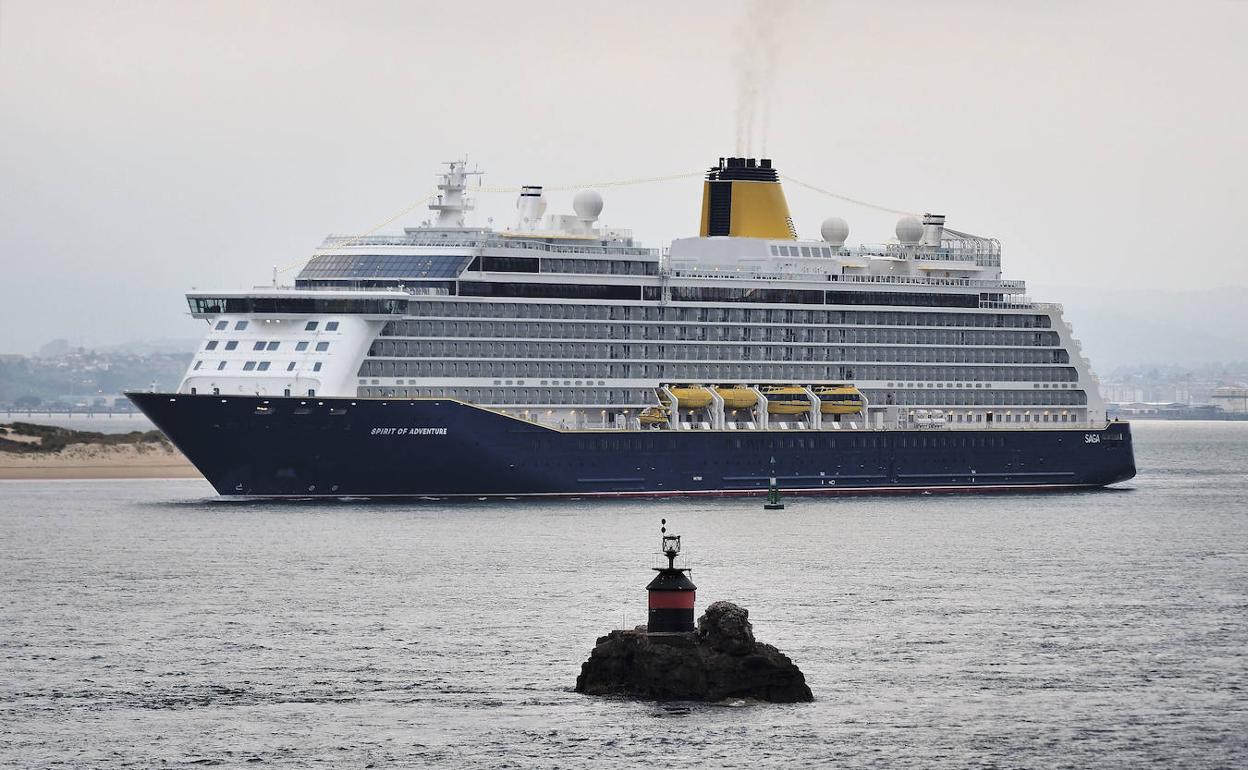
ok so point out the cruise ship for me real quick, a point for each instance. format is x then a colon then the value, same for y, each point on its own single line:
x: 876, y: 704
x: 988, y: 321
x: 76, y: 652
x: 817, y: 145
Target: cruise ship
x: 560, y: 357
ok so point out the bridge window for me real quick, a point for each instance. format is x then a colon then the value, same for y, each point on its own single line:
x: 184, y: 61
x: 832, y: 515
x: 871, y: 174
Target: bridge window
x: 212, y: 345
x: 322, y: 346
x: 264, y: 366
x: 272, y: 346
x: 247, y: 367
x: 221, y: 325
x: 238, y: 327
x: 301, y: 346
x: 311, y: 327
x: 290, y: 367
x: 258, y: 346
x: 331, y: 326
x: 220, y: 365
x: 231, y: 345
x: 316, y: 367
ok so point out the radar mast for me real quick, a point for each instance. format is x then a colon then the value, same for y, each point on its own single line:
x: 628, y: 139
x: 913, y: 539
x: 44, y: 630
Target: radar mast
x: 451, y: 204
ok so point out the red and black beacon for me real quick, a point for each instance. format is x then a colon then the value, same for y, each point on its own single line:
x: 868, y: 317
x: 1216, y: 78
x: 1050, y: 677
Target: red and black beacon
x: 671, y: 592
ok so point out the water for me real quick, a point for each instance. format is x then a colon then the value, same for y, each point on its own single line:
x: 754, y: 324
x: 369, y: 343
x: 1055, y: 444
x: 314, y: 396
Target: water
x: 147, y: 624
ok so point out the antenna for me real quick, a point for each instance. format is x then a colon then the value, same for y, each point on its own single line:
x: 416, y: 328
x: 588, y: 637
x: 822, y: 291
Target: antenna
x: 671, y: 544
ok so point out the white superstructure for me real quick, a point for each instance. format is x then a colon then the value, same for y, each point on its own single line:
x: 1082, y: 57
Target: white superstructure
x: 565, y: 322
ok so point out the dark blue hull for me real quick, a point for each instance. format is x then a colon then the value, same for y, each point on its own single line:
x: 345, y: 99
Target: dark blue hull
x: 342, y: 447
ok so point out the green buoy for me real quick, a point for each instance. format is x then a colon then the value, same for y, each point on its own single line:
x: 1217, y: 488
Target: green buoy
x: 773, y: 497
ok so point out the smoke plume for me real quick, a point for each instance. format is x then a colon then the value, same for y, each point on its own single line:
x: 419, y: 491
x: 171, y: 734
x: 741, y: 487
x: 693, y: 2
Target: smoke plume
x: 759, y: 46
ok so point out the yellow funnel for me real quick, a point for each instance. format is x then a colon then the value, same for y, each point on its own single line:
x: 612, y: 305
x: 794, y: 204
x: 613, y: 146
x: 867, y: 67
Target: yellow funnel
x: 742, y: 197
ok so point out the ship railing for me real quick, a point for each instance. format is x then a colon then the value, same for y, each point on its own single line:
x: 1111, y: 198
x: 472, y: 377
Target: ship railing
x: 1008, y: 304
x: 753, y: 275
x: 333, y: 242
x: 950, y: 250
x: 355, y: 287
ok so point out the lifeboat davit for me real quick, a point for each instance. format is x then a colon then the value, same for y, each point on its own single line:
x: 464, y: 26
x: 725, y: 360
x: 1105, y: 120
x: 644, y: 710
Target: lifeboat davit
x: 691, y: 396
x: 737, y: 397
x: 839, y: 399
x: 786, y: 399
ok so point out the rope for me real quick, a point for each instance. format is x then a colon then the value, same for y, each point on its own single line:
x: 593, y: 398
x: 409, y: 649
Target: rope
x: 567, y: 188
x: 480, y: 189
x: 619, y: 183
x: 846, y: 198
x: 356, y: 238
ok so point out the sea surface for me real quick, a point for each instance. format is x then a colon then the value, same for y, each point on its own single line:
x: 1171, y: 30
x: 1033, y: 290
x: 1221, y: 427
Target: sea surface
x: 147, y: 624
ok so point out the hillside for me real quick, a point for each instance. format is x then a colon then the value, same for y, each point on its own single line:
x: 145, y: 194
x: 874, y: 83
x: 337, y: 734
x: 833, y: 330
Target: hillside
x: 42, y: 451
x: 1120, y: 327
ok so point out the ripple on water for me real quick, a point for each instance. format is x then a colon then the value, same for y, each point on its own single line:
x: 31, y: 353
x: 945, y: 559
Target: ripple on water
x: 148, y: 624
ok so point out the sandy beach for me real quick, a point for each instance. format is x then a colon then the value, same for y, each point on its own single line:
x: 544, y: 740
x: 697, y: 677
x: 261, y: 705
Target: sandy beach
x: 88, y: 461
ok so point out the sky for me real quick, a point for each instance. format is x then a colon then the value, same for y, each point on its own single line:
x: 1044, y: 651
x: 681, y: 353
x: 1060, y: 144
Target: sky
x: 150, y: 147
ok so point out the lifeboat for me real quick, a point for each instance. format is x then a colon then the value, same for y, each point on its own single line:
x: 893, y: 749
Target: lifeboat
x: 736, y: 397
x: 655, y: 415
x: 786, y: 399
x: 691, y: 396
x: 839, y: 399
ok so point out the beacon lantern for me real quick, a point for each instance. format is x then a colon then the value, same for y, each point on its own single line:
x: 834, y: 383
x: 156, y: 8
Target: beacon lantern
x: 671, y: 593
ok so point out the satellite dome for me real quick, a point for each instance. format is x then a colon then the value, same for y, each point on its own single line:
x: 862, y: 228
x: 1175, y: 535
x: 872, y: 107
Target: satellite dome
x: 834, y: 230
x: 587, y: 204
x: 909, y: 230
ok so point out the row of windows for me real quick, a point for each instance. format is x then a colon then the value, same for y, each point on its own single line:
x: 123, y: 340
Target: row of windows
x: 548, y: 290
x: 294, y: 306
x: 710, y: 352
x: 714, y: 372
x: 809, y: 296
x: 432, y: 288
x: 258, y: 366
x: 266, y: 345
x: 771, y: 372
x: 715, y: 294
x: 644, y: 397
x: 801, y: 251
x: 957, y: 398
x: 393, y: 266
x: 718, y: 333
x: 619, y: 397
x: 553, y: 265
x: 798, y: 316
x: 311, y: 326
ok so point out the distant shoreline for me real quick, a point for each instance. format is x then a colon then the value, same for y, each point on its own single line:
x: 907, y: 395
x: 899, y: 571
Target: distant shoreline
x: 81, y: 472
x: 29, y: 451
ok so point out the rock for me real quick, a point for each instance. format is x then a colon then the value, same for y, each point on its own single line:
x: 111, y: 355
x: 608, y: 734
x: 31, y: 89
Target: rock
x: 726, y: 627
x: 720, y: 661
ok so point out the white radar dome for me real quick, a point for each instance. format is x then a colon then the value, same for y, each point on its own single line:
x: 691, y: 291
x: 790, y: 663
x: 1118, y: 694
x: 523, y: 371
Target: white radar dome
x: 834, y: 230
x: 587, y: 204
x: 909, y: 230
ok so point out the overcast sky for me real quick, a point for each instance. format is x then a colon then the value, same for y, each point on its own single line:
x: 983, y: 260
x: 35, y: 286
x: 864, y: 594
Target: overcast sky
x: 148, y: 147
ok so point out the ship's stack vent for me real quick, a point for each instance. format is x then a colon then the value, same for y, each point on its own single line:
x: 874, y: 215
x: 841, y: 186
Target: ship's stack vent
x: 742, y: 197
x: 933, y: 230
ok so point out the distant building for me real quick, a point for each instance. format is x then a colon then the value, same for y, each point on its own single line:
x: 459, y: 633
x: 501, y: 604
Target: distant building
x: 1162, y: 410
x: 1121, y: 392
x: 1231, y: 399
